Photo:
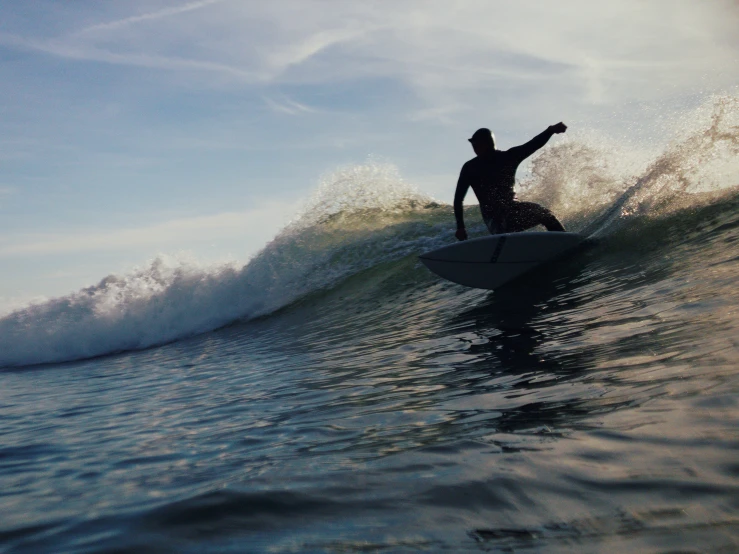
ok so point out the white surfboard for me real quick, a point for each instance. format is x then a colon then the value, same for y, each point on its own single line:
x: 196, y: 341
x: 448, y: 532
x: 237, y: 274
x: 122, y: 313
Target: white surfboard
x: 489, y: 262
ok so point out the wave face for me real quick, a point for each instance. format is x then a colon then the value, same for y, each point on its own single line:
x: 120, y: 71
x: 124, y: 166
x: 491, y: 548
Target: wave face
x: 364, y: 216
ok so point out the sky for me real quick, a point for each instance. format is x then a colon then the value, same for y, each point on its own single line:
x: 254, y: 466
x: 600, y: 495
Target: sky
x: 197, y: 129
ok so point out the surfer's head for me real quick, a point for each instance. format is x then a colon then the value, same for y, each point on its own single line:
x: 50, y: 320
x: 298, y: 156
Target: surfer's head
x: 483, y: 140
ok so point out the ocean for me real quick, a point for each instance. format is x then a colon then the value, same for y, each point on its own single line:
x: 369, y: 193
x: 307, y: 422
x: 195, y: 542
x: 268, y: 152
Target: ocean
x: 332, y: 395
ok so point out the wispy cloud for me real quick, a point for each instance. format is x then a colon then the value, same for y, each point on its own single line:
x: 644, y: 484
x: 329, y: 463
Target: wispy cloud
x: 159, y: 14
x: 296, y: 52
x: 603, y: 52
x: 288, y: 106
x: 70, y: 50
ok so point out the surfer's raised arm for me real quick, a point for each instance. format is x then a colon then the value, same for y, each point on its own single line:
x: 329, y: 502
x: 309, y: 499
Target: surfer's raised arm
x: 525, y: 150
x: 463, y: 185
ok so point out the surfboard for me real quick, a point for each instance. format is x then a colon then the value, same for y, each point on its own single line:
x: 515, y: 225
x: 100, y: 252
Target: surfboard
x: 490, y: 262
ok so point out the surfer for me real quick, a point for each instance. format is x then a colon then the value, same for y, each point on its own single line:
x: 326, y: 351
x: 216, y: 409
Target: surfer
x: 492, y: 175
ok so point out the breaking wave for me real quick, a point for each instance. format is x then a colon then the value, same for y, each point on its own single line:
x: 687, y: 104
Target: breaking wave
x: 362, y: 216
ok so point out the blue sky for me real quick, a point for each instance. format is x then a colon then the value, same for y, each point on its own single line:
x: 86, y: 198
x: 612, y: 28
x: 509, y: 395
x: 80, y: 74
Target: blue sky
x: 133, y: 128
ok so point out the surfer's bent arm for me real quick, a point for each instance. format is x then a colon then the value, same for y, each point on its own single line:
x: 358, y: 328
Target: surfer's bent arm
x: 525, y: 150
x: 463, y: 186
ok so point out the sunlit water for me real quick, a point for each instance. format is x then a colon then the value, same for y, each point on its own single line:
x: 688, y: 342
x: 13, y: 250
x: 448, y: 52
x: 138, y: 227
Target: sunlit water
x: 353, y: 402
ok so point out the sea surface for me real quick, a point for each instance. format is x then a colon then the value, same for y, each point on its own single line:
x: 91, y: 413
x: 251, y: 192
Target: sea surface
x: 332, y: 395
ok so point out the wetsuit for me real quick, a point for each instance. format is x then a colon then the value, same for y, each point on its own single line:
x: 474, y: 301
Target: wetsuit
x: 492, y: 177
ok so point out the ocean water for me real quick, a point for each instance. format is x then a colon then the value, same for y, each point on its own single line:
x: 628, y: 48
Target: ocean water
x: 331, y: 395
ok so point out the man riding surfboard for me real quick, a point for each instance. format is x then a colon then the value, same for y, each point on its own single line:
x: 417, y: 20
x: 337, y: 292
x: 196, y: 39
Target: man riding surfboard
x: 492, y: 174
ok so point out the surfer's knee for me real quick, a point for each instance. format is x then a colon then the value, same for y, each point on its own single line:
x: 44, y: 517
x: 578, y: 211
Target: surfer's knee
x: 552, y: 223
x: 548, y: 219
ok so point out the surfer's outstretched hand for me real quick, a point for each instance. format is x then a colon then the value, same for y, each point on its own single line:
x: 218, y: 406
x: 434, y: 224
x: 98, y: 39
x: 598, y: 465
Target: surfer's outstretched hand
x: 461, y: 234
x: 558, y: 128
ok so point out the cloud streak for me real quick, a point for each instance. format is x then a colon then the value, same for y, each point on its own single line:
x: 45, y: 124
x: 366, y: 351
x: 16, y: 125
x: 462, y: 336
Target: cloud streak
x: 159, y: 14
x: 69, y: 50
x: 287, y: 106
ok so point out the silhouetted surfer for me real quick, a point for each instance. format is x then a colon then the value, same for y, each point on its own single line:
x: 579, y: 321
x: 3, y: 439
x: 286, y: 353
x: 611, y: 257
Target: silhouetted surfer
x: 492, y: 175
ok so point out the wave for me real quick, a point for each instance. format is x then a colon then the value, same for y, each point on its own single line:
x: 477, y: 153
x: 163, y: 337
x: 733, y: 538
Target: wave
x: 359, y: 217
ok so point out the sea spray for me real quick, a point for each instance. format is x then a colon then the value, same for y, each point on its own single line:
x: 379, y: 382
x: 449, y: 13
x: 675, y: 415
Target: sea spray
x: 579, y: 181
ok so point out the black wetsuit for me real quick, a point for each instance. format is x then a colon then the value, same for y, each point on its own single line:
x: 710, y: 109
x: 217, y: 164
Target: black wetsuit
x: 492, y: 177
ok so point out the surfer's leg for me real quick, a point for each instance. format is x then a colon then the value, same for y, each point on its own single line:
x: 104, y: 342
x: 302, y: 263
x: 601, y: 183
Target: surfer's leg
x: 527, y: 214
